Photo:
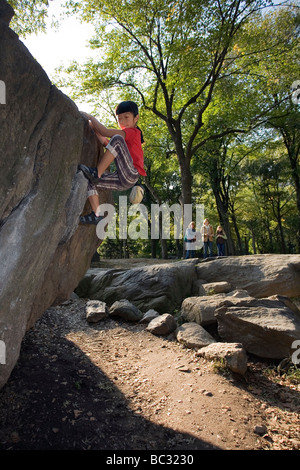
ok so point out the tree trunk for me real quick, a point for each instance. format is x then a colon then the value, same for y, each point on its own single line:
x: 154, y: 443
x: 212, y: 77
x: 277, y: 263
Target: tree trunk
x: 223, y: 216
x: 186, y: 191
x: 296, y: 178
x: 253, y: 241
x: 236, y: 229
x: 186, y: 181
x: 246, y: 245
x: 153, y: 248
x: 289, y: 131
x: 280, y: 229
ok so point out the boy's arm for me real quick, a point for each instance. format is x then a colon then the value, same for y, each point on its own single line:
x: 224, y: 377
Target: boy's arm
x: 101, y: 129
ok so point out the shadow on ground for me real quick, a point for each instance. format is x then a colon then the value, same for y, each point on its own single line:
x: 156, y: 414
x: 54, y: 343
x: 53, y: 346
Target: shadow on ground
x: 57, y: 399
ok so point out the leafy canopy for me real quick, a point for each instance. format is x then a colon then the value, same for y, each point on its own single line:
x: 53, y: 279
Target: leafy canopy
x: 29, y: 16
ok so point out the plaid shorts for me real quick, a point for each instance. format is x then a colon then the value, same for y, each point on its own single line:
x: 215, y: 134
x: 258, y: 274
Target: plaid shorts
x: 125, y: 176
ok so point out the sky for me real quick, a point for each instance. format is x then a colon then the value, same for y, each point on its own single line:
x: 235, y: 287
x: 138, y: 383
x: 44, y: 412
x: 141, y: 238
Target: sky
x: 62, y: 45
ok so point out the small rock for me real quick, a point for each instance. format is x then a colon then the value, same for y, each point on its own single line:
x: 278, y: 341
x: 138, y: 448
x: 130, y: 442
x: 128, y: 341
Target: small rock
x: 216, y: 287
x: 149, y: 315
x: 95, y: 310
x: 126, y: 310
x: 260, y: 430
x: 162, y: 325
x: 193, y: 335
x: 183, y: 369
x: 234, y: 355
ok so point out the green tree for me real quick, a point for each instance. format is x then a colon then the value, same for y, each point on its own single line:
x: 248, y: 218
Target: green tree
x: 172, y: 55
x: 29, y: 16
x: 274, y: 69
x: 274, y: 197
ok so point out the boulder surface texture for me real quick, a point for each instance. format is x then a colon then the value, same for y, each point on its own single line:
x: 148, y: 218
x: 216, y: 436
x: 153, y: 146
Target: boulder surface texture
x: 43, y: 137
x: 158, y: 287
x: 260, y: 275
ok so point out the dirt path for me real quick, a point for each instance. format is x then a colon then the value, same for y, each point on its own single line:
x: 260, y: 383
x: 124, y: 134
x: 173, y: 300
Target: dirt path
x: 113, y: 385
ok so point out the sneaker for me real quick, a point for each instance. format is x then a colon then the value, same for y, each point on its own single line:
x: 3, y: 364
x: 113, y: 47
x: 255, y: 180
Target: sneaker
x: 90, y: 173
x: 90, y: 219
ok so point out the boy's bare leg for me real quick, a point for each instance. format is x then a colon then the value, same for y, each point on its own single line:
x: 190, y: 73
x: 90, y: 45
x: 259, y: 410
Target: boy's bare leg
x: 94, y: 202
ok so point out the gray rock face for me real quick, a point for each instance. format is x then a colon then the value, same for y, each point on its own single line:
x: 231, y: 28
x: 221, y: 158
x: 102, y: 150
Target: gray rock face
x: 158, y: 287
x: 202, y: 309
x: 193, y: 335
x: 265, y: 327
x: 259, y: 275
x: 126, y: 310
x: 162, y: 325
x: 43, y: 137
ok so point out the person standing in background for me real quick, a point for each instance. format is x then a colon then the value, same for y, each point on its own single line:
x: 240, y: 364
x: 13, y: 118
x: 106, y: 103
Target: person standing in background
x: 190, y: 237
x: 207, y: 233
x: 220, y: 239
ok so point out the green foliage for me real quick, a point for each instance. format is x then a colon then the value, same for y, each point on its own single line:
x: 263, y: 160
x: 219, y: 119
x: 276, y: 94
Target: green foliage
x: 29, y: 16
x: 293, y: 374
x: 220, y: 366
x: 170, y: 54
x: 213, y: 82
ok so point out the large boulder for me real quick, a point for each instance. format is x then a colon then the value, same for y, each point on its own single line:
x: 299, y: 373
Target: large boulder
x: 260, y: 275
x: 158, y: 287
x: 202, y: 309
x: 265, y: 327
x: 44, y: 252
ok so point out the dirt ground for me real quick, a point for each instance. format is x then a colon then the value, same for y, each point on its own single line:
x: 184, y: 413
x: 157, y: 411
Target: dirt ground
x: 113, y: 386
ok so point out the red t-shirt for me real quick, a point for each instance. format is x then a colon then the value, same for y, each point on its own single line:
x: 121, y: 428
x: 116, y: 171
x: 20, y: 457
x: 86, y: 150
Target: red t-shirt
x: 134, y: 144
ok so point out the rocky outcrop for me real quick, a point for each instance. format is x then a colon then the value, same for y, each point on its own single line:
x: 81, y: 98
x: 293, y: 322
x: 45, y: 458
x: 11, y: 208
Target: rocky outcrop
x: 202, y: 309
x: 259, y: 275
x: 158, y: 287
x: 44, y: 253
x: 265, y: 327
